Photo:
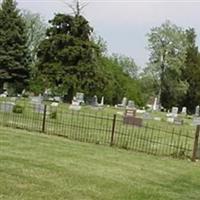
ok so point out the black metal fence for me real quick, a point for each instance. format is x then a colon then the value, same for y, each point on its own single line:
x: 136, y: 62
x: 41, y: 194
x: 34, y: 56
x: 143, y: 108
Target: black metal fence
x: 100, y: 128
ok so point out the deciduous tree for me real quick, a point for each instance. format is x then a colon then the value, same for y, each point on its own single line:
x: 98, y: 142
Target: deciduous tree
x: 167, y: 45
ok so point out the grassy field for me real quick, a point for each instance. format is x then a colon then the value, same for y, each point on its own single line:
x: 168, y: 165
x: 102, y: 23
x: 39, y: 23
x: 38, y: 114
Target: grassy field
x: 42, y: 167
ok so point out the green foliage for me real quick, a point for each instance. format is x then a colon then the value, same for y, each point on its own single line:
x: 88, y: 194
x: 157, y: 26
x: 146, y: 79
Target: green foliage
x: 191, y: 73
x: 14, y: 58
x: 120, y: 84
x: 35, y: 30
x: 167, y: 45
x: 128, y: 65
x: 148, y: 83
x: 18, y: 109
x: 68, y: 58
x: 53, y: 115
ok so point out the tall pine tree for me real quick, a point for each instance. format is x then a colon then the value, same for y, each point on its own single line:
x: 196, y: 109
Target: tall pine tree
x: 68, y: 58
x: 13, y: 50
x: 191, y: 73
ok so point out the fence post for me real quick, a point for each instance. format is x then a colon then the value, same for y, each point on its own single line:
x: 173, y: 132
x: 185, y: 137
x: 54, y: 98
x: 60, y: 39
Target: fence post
x: 44, y: 118
x: 195, y: 147
x: 113, y: 130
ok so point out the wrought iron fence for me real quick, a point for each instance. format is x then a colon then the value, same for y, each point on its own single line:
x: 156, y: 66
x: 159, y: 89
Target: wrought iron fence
x: 100, y: 128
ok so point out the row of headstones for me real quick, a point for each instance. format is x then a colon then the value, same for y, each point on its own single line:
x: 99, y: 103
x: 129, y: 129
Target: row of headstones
x: 8, y: 107
x: 174, y: 111
x: 126, y: 104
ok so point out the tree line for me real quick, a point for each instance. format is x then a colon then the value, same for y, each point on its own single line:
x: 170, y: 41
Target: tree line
x: 66, y: 57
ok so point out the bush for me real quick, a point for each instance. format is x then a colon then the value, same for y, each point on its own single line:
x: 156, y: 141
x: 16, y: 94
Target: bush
x: 53, y: 115
x: 18, y: 109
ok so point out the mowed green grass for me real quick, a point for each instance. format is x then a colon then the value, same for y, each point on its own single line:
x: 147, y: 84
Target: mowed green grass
x: 37, y: 166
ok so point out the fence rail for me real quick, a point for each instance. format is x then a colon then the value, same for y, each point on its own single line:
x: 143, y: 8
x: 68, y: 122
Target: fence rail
x: 101, y: 128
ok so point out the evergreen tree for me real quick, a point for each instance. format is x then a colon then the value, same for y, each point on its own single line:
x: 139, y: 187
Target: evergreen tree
x: 191, y: 73
x: 68, y: 58
x: 13, y: 51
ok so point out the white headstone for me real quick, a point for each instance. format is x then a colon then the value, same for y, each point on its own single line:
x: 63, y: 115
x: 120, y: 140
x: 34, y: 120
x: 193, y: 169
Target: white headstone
x: 197, y: 111
x: 54, y: 104
x: 184, y: 111
x: 124, y: 102
x: 75, y: 107
x: 102, y: 101
x: 155, y: 104
x: 174, y: 111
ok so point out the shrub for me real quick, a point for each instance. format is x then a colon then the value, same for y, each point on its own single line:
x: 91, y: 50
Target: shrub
x: 18, y: 109
x: 53, y: 115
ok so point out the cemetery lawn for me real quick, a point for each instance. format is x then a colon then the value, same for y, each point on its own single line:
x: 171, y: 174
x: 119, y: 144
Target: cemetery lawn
x: 37, y: 166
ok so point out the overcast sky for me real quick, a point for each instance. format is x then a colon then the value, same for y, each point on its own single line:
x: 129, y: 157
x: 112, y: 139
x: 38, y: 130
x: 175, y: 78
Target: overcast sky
x: 124, y: 24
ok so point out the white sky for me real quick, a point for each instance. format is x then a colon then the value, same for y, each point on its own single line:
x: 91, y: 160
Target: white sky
x: 124, y: 24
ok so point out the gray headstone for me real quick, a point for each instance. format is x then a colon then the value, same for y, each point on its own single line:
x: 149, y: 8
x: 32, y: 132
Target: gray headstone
x: 80, y: 97
x: 57, y: 98
x: 38, y: 107
x: 36, y: 99
x: 95, y: 101
x: 130, y: 104
x: 197, y: 111
x: 174, y: 111
x: 7, y: 106
x: 147, y: 116
x: 196, y: 121
x: 178, y: 121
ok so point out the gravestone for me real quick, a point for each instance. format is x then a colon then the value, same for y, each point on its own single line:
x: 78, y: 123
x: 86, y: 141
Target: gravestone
x: 147, y: 116
x: 196, y: 121
x: 57, y: 99
x: 47, y: 96
x: 102, y: 102
x: 197, y: 111
x: 170, y: 119
x: 130, y: 118
x: 155, y: 104
x: 130, y: 104
x: 38, y: 108
x: 184, y: 111
x: 7, y: 106
x: 178, y: 121
x: 54, y: 104
x: 36, y: 99
x: 95, y: 101
x: 123, y: 104
x: 80, y: 97
x: 4, y: 94
x: 75, y: 104
x: 174, y: 112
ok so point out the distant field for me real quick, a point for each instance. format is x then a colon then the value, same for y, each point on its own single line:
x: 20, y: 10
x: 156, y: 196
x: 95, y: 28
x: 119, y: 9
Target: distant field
x: 34, y: 166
